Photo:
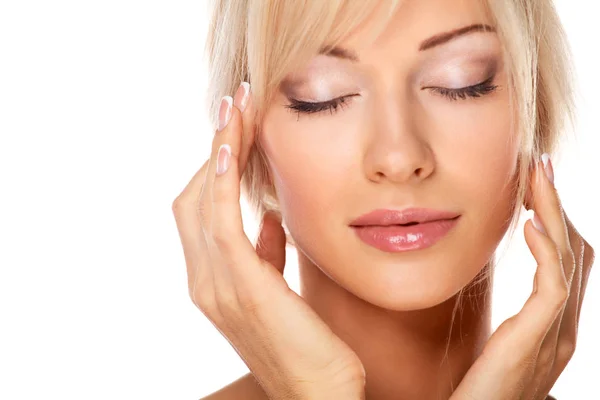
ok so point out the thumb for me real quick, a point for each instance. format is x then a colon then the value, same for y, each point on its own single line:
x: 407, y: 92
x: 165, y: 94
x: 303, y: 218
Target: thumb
x: 270, y: 245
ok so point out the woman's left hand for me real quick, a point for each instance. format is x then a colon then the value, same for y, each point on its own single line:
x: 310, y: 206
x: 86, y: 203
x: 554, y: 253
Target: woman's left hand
x: 528, y: 352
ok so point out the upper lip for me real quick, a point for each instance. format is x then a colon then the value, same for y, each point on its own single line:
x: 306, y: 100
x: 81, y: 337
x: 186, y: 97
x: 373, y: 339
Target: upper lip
x: 385, y: 217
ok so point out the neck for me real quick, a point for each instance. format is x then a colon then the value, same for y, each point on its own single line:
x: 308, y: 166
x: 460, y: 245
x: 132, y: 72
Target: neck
x: 420, y: 354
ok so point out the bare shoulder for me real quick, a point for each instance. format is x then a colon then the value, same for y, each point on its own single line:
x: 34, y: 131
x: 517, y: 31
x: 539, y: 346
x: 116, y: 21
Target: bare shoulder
x: 245, y: 387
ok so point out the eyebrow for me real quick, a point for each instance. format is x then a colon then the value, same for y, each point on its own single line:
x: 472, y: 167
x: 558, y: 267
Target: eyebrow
x: 347, y: 54
x: 447, y: 36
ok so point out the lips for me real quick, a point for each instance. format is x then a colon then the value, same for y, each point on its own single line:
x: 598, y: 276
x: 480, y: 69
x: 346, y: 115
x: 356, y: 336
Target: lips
x: 407, y: 217
x: 411, y: 229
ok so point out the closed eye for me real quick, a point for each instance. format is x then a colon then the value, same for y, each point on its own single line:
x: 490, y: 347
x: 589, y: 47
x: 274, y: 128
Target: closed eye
x: 306, y: 107
x: 477, y: 90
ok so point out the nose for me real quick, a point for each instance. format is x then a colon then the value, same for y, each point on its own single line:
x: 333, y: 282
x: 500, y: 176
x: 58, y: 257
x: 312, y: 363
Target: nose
x: 398, y: 148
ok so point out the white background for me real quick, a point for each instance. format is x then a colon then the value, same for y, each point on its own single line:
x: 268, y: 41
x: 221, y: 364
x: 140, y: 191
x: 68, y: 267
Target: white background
x: 102, y: 123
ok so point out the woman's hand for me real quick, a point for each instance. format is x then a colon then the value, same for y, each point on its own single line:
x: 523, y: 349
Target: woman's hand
x: 241, y: 290
x: 528, y: 352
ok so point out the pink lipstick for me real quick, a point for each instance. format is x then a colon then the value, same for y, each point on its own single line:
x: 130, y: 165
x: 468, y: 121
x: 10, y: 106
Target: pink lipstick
x: 410, y: 229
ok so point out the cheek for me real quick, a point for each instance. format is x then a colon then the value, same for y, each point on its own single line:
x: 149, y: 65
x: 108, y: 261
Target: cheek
x: 481, y: 160
x: 312, y: 167
x: 476, y: 145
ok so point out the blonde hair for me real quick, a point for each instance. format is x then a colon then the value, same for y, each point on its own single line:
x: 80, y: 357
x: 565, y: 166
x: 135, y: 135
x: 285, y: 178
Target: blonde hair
x: 262, y: 41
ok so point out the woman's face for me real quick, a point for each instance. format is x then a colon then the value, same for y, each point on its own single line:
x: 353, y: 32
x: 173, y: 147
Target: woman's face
x: 402, y: 138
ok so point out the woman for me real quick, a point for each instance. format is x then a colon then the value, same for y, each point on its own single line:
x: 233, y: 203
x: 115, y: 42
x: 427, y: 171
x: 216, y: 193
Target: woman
x: 394, y: 144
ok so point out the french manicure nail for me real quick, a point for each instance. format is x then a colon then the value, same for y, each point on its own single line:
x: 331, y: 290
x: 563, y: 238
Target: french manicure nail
x: 245, y: 87
x: 225, y: 112
x: 548, y: 167
x: 223, y: 157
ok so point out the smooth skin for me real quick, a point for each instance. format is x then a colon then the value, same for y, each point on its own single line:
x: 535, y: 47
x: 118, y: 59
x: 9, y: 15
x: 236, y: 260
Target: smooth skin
x: 293, y: 354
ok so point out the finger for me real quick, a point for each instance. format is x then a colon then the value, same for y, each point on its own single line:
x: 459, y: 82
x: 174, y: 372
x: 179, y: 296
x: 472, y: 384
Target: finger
x: 570, y: 320
x: 270, y: 245
x: 588, y: 260
x: 544, y: 305
x: 567, y: 336
x: 246, y: 106
x: 561, y: 345
x: 584, y: 257
x: 242, y: 101
x: 527, y: 329
x: 549, y: 217
x: 549, y: 211
x: 185, y: 210
x: 226, y: 226
x: 555, y: 295
x: 205, y: 201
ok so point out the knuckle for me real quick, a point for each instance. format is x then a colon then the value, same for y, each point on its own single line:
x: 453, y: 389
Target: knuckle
x: 203, y: 299
x: 509, y: 323
x: 231, y: 313
x: 221, y: 239
x: 250, y: 303
x: 227, y: 303
x: 546, y: 356
x: 565, y: 351
x: 560, y: 294
x: 586, y: 244
x: 591, y: 252
x: 177, y: 205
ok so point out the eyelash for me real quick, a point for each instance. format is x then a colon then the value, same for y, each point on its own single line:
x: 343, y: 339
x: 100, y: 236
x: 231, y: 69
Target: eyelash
x: 306, y: 107
x: 478, y: 90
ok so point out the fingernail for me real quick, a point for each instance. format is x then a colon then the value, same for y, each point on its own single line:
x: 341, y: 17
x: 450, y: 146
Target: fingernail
x: 548, y: 167
x: 225, y: 112
x: 245, y: 91
x: 537, y: 223
x: 223, y: 157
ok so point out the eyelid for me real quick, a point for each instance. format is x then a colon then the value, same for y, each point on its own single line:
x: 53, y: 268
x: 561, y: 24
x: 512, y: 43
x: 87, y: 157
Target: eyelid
x: 454, y: 70
x: 488, y: 80
x: 295, y: 99
x: 324, y: 102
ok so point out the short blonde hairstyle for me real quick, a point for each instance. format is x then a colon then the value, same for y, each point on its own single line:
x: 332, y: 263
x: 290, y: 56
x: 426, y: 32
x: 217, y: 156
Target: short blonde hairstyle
x: 261, y: 42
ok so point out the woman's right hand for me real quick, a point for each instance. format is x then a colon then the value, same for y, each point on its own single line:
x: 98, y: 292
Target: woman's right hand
x: 288, y: 348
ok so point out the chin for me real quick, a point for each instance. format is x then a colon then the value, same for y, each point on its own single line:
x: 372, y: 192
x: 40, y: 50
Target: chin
x: 415, y: 280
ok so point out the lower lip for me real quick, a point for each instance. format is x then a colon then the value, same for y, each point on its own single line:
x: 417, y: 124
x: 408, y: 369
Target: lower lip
x: 397, y: 238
